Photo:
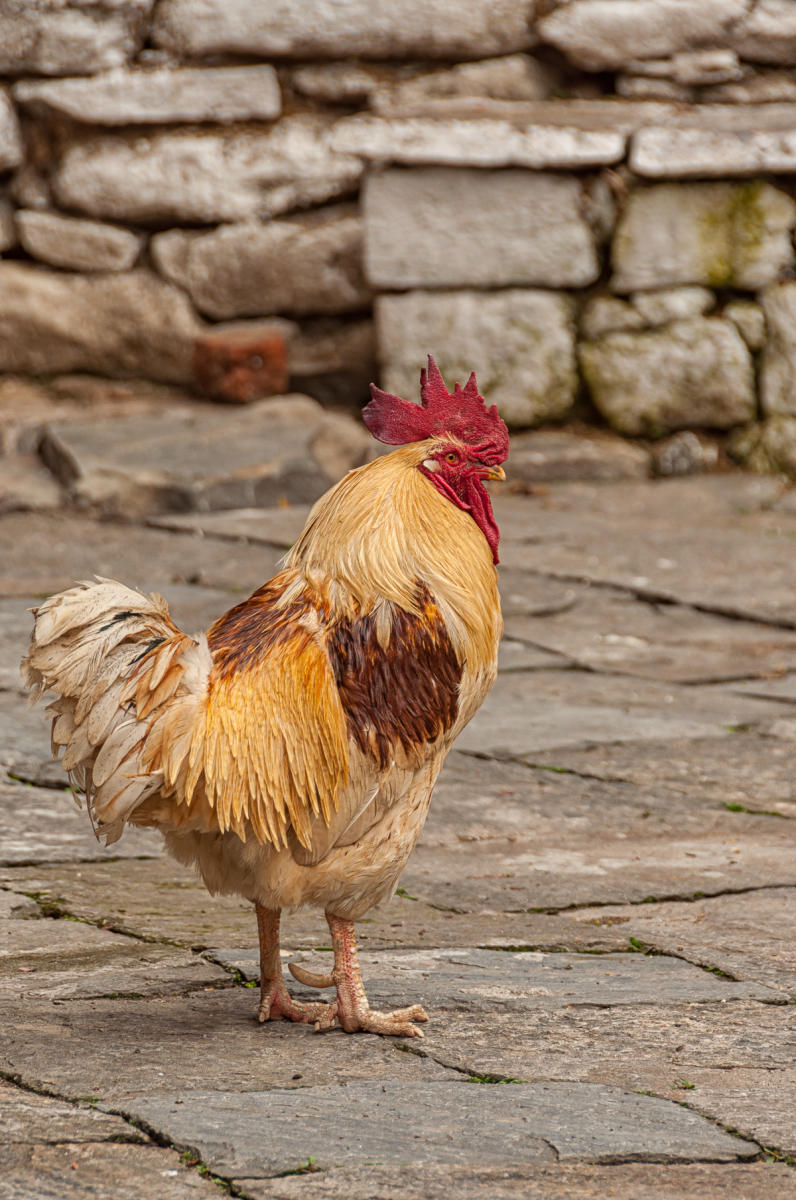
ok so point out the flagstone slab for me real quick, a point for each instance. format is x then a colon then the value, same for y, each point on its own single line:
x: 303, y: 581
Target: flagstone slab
x: 740, y: 1052
x: 53, y: 552
x: 60, y: 960
x: 537, y: 1181
x: 443, y: 1122
x: 743, y: 770
x: 548, y: 709
x: 27, y: 1117
x: 749, y: 936
x: 268, y: 526
x: 486, y: 981
x: 209, y: 1039
x: 42, y: 824
x: 503, y: 836
x: 73, y: 1172
x: 159, y: 900
x: 611, y: 631
x: 631, y: 535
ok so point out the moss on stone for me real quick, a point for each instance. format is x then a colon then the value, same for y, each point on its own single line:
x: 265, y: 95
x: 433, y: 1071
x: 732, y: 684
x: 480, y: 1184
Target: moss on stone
x: 733, y: 233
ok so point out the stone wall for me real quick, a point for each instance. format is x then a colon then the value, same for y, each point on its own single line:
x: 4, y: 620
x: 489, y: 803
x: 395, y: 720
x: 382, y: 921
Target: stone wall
x: 589, y: 201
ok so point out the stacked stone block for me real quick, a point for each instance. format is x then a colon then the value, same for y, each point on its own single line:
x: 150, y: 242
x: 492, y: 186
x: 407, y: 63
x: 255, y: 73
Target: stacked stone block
x: 589, y: 201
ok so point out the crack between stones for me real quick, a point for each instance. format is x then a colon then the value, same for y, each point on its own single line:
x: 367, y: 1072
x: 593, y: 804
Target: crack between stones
x: 651, y: 596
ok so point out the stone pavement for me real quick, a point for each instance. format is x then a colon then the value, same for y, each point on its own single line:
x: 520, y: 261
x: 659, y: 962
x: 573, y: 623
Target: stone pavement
x: 598, y: 917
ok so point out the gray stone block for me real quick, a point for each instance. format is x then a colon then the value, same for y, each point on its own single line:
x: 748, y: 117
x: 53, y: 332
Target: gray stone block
x: 127, y: 324
x: 705, y: 153
x: 511, y: 77
x: 75, y: 244
x: 344, y: 28
x: 767, y: 34
x: 695, y: 372
x: 53, y: 37
x: 285, y: 449
x: 603, y: 35
x: 127, y: 97
x: 519, y: 342
x: 428, y: 141
x: 204, y: 178
x: 454, y: 227
x: 11, y: 149
x: 306, y: 265
x: 395, y: 1122
x: 717, y: 234
x: 778, y: 369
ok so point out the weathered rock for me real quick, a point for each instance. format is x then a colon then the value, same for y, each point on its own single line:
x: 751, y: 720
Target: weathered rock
x: 768, y: 33
x: 641, y: 87
x: 130, y: 323
x: 534, y: 1181
x: 11, y: 151
x: 744, y: 936
x: 8, y: 229
x: 704, y: 153
x: 159, y: 1048
x: 683, y: 454
x: 672, y: 304
x: 692, y: 68
x: 767, y: 87
x: 30, y: 188
x: 27, y: 1117
x: 76, y: 244
x: 422, y: 141
x: 778, y: 370
x: 605, y: 535
x: 156, y: 899
x: 722, y: 1060
x: 519, y: 342
x: 25, y: 485
x: 275, y: 451
x: 53, y: 37
x: 338, y: 82
x: 694, y: 372
x: 749, y: 319
x: 768, y: 447
x: 603, y: 35
x: 421, y: 227
x: 242, y: 361
x: 307, y: 264
x: 351, y: 29
x: 611, y: 632
x: 469, y: 979
x: 205, y: 177
x: 333, y: 360
x: 320, y: 347
x: 70, y: 1172
x: 559, y: 454
x: 717, y: 234
x: 42, y: 824
x: 128, y: 97
x: 60, y: 960
x: 51, y: 551
x: 608, y: 314
x: 512, y: 77
x: 529, y: 1122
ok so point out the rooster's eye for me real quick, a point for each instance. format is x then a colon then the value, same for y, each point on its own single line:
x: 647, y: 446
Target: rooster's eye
x: 451, y: 457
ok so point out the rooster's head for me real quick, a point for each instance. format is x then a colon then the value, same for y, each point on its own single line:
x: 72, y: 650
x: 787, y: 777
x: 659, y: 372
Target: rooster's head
x: 465, y: 441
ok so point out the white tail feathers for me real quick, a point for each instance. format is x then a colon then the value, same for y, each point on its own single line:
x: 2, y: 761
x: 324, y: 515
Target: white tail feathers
x: 123, y: 673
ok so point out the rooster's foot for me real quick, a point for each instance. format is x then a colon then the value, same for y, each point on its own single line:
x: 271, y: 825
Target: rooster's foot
x: 276, y: 1003
x: 361, y: 1018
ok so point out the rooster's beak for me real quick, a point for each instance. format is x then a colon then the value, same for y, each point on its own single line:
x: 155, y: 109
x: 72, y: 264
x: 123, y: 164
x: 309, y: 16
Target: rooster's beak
x: 496, y: 473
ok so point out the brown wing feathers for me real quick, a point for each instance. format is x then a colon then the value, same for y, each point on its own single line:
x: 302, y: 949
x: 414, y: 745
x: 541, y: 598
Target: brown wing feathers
x: 252, y: 729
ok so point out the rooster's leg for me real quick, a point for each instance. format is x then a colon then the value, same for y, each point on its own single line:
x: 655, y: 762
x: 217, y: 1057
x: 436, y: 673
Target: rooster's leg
x: 351, y: 1007
x: 275, y: 1000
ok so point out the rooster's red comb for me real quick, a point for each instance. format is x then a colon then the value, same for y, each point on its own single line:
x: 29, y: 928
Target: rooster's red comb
x: 462, y: 413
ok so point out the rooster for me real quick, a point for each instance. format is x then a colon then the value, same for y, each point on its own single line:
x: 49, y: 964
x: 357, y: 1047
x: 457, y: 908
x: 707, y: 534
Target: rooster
x: 290, y: 753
